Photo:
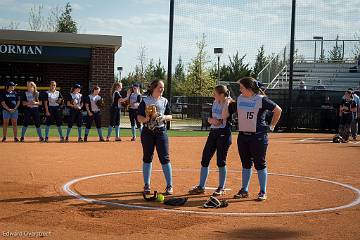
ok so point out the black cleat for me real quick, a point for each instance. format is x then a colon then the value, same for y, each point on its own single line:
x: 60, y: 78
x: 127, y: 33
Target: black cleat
x: 147, y: 190
x: 241, y: 194
x: 197, y: 190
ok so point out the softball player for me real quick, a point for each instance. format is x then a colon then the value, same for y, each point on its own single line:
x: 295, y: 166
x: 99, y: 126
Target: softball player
x: 53, y: 111
x: 92, y: 105
x: 219, y: 140
x: 75, y: 105
x: 115, y: 111
x: 31, y: 103
x: 154, y: 111
x: 10, y: 103
x: 252, y: 141
x: 134, y: 100
x: 347, y: 112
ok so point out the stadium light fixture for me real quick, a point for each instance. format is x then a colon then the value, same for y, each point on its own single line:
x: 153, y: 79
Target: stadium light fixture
x: 218, y: 52
x: 120, y: 69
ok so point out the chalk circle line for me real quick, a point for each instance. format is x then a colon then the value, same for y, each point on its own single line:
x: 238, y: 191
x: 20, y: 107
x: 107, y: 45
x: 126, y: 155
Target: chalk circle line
x: 68, y: 190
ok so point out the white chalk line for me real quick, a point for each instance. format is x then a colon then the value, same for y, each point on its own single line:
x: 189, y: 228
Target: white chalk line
x: 67, y: 189
x: 327, y: 141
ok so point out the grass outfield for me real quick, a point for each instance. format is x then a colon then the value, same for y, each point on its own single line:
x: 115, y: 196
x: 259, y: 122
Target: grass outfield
x: 125, y: 132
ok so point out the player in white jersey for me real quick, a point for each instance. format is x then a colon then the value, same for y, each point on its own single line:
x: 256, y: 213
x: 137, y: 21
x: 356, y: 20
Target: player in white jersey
x: 252, y: 107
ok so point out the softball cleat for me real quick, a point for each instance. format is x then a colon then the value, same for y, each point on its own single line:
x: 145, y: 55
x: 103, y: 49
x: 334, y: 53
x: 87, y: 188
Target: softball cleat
x: 197, y: 190
x: 169, y: 190
x: 219, y: 192
x: 262, y: 196
x: 241, y: 194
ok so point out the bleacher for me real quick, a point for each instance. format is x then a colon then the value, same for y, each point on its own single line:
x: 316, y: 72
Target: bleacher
x: 321, y: 75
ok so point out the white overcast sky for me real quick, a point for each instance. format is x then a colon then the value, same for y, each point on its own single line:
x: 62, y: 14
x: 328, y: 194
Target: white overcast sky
x: 242, y: 25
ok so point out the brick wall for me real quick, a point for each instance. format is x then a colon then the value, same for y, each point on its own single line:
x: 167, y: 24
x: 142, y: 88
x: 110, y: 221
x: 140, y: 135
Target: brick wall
x: 66, y: 75
x: 101, y: 73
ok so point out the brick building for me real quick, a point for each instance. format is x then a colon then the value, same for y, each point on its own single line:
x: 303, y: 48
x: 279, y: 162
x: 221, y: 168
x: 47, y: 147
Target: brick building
x: 63, y: 57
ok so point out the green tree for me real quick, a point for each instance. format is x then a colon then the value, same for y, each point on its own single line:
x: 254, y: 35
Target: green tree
x: 66, y: 22
x: 336, y: 53
x: 178, y: 77
x: 149, y: 72
x: 159, y: 71
x: 261, y: 61
x: 237, y: 67
x: 199, y: 81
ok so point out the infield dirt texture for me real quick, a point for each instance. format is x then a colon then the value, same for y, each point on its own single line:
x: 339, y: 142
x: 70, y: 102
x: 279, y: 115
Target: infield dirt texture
x: 34, y: 198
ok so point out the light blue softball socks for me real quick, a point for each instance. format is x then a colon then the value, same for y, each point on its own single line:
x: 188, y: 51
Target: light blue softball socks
x: 168, y: 174
x: 99, y: 130
x: 117, y: 131
x: 222, y: 177
x: 38, y: 130
x: 262, y: 176
x: 110, y: 128
x: 246, y: 175
x: 133, y: 131
x: 47, y: 131
x: 79, y: 132
x: 147, y: 167
x: 23, y: 131
x: 68, y: 130
x: 60, y: 131
x: 204, y: 172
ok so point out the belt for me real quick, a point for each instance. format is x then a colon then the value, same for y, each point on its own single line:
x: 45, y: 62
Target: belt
x: 248, y: 133
x: 158, y: 129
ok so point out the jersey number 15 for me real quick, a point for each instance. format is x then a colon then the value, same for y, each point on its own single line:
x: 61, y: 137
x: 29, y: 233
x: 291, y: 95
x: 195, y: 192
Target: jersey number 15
x: 250, y: 115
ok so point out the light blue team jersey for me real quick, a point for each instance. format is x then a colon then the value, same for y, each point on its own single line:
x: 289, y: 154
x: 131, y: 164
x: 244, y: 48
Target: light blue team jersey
x: 252, y: 113
x: 161, y: 104
x: 216, y: 111
x: 133, y: 99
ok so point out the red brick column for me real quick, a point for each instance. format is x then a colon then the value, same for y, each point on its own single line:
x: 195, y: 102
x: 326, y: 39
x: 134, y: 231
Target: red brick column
x: 102, y: 74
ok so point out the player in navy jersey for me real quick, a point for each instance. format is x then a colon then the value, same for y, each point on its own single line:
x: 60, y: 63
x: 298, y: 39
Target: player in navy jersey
x: 75, y: 104
x: 252, y: 106
x: 115, y: 111
x: 93, y: 104
x: 31, y: 103
x: 154, y: 112
x: 10, y: 103
x: 134, y: 98
x: 347, y: 112
x: 219, y: 140
x: 53, y: 100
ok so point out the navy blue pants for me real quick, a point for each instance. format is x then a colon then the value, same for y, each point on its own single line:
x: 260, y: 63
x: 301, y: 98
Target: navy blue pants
x: 95, y: 117
x: 133, y: 117
x: 151, y: 139
x: 75, y: 116
x: 31, y: 113
x: 219, y: 140
x: 55, y: 115
x: 252, y: 149
x: 114, y: 117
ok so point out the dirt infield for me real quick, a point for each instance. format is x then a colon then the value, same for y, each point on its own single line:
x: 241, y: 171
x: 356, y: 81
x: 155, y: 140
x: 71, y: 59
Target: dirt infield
x: 33, y: 199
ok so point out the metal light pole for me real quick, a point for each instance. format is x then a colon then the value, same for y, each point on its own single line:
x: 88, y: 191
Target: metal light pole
x: 170, y: 50
x: 218, y: 52
x: 120, y: 69
x: 291, y: 73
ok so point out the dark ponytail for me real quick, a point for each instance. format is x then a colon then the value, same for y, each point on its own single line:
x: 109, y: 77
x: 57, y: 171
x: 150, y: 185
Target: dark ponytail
x: 221, y: 89
x: 252, y: 84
